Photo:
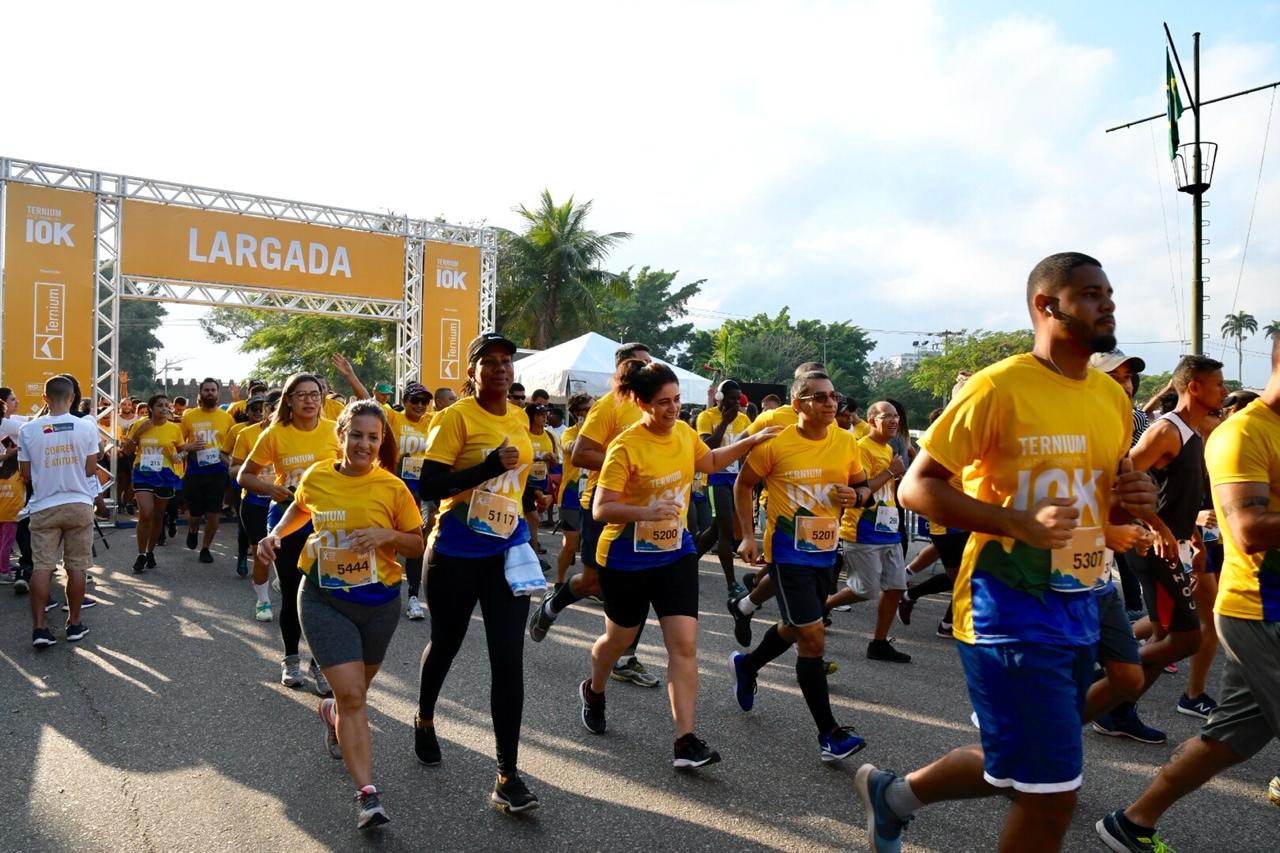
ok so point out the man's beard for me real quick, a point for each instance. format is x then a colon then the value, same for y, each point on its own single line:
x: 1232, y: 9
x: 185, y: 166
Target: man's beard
x: 1102, y: 343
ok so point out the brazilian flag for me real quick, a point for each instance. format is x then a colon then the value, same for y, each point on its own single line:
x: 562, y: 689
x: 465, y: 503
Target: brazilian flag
x: 1173, y: 104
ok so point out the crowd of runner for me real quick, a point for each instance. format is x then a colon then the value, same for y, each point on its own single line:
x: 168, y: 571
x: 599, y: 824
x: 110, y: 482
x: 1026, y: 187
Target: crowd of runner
x: 1089, y: 542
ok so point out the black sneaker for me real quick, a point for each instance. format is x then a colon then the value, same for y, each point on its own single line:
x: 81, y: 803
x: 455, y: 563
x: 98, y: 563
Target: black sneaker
x: 52, y: 604
x: 884, y: 650
x: 140, y: 564
x: 192, y: 540
x: 592, y: 709
x: 691, y: 751
x: 1200, y: 707
x: 205, y: 556
x: 741, y: 623
x: 371, y: 812
x: 84, y: 605
x: 512, y: 795
x: 42, y: 637
x: 76, y: 632
x: 161, y: 540
x: 21, y: 586
x: 541, y: 621
x: 425, y: 745
x: 173, y: 529
x: 151, y: 559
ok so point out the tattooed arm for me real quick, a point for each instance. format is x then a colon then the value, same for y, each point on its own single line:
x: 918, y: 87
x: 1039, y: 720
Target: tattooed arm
x: 1244, y: 513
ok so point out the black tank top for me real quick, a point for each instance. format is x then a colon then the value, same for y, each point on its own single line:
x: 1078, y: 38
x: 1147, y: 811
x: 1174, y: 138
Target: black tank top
x: 1180, y: 484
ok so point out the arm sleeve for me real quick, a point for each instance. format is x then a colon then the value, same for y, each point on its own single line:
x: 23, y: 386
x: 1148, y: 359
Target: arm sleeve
x: 439, y: 481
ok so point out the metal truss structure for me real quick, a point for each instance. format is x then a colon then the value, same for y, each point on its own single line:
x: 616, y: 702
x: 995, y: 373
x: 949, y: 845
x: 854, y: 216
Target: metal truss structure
x: 111, y: 190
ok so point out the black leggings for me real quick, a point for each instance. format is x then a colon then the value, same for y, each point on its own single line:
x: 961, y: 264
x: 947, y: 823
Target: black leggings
x: 253, y: 526
x: 287, y: 570
x: 454, y: 585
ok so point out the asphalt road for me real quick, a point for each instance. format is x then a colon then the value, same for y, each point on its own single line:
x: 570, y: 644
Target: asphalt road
x: 167, y: 729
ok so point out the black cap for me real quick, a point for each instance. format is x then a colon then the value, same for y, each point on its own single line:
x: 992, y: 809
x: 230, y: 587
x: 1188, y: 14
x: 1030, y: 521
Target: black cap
x: 537, y: 409
x: 487, y: 339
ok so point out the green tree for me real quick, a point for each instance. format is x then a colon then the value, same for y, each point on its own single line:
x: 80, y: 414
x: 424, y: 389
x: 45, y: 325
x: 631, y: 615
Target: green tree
x: 936, y: 374
x: 1239, y: 326
x: 1272, y: 329
x: 648, y: 309
x: 296, y: 342
x: 551, y: 279
x: 896, y: 385
x: 139, y: 320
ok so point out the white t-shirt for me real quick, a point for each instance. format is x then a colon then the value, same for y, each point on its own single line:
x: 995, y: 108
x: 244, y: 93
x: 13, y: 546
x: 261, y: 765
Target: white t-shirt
x: 10, y: 425
x: 56, y: 447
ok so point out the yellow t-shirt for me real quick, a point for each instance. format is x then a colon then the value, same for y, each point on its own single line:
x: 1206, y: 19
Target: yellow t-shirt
x: 233, y: 434
x: 608, y: 417
x: 331, y: 409
x: 211, y: 429
x: 155, y: 457
x: 861, y: 430
x: 13, y: 494
x: 570, y: 487
x: 800, y: 474
x: 291, y: 451
x: 1018, y: 432
x: 435, y: 419
x: 1246, y: 449
x: 644, y: 468
x: 463, y: 438
x: 543, y: 444
x: 235, y: 408
x: 873, y: 525
x: 411, y: 442
x: 708, y: 420
x: 783, y: 416
x: 340, y: 504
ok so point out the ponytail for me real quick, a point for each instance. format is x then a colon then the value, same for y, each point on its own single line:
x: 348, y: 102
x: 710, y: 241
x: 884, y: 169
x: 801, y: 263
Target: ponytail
x: 642, y: 379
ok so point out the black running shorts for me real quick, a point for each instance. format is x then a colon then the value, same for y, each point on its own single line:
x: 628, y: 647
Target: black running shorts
x: 672, y: 589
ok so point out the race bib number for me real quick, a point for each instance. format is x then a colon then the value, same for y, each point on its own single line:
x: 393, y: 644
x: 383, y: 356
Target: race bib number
x: 656, y: 536
x: 208, y: 456
x: 538, y: 471
x: 886, y: 519
x: 815, y: 534
x: 151, y: 459
x: 492, y: 515
x: 1078, y: 566
x: 339, y: 568
x: 1108, y: 568
x: 411, y: 467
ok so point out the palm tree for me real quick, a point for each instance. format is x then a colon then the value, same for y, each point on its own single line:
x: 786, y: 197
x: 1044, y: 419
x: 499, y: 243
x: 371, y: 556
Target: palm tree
x: 1238, y: 326
x: 1272, y: 329
x: 550, y: 277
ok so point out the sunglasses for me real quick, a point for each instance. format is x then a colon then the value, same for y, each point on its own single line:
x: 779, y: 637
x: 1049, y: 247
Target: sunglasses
x: 420, y: 399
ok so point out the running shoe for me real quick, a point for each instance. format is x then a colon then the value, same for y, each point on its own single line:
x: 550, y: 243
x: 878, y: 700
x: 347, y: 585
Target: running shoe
x: 839, y: 743
x: 242, y: 566
x: 592, y: 709
x: 842, y: 608
x: 7, y: 577
x: 414, y: 610
x: 321, y: 683
x: 736, y: 589
x: 741, y: 622
x: 52, y: 604
x: 1114, y: 835
x: 161, y: 540
x: 830, y: 667
x: 905, y: 606
x: 173, y: 529
x: 596, y: 599
x: 21, y: 585
x: 371, y: 812
x: 291, y: 672
x: 1171, y: 668
x: 425, y: 746
x: 84, y: 605
x: 944, y: 630
x: 262, y: 611
x: 1127, y: 724
x: 42, y: 637
x: 744, y: 685
x: 205, y: 556
x: 541, y: 621
x: 1273, y: 790
x: 884, y: 827
x: 76, y: 632
x: 884, y: 650
x: 513, y: 796
x: 1201, y: 706
x: 151, y: 559
x: 325, y: 710
x: 192, y: 539
x: 691, y: 751
x: 140, y: 564
x: 634, y: 672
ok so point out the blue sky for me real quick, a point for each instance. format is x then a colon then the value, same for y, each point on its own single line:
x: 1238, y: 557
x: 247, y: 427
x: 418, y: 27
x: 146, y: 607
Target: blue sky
x: 902, y: 165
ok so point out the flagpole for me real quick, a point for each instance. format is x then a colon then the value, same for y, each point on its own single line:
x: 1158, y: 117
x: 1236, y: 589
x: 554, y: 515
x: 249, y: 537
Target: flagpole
x: 1197, y: 208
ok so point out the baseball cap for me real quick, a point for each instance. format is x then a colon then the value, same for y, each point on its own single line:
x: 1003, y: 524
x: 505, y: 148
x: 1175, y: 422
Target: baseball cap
x: 536, y: 408
x: 413, y: 388
x: 383, y: 388
x: 255, y: 399
x: 1109, y: 361
x: 487, y: 339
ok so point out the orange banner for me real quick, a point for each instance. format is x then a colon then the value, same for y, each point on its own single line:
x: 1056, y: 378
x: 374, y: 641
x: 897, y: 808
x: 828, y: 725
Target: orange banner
x: 171, y: 242
x: 450, y: 312
x: 48, y: 300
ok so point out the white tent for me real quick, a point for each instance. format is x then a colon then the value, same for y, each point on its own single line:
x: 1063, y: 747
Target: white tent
x: 585, y: 366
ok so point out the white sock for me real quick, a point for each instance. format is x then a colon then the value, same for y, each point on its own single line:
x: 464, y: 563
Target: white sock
x: 746, y: 606
x: 261, y: 591
x: 900, y: 799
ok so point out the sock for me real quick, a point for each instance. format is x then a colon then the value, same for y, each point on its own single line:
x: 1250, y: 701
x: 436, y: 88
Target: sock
x: 625, y: 660
x: 946, y: 617
x: 261, y: 591
x: 900, y: 799
x: 812, y: 675
x: 929, y: 586
x: 1132, y: 828
x: 562, y: 599
x: 771, y: 646
x: 746, y: 606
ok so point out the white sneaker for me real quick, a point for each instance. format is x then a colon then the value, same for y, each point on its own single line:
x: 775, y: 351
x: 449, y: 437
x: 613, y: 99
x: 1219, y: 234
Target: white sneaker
x: 414, y: 610
x: 843, y: 608
x: 262, y: 611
